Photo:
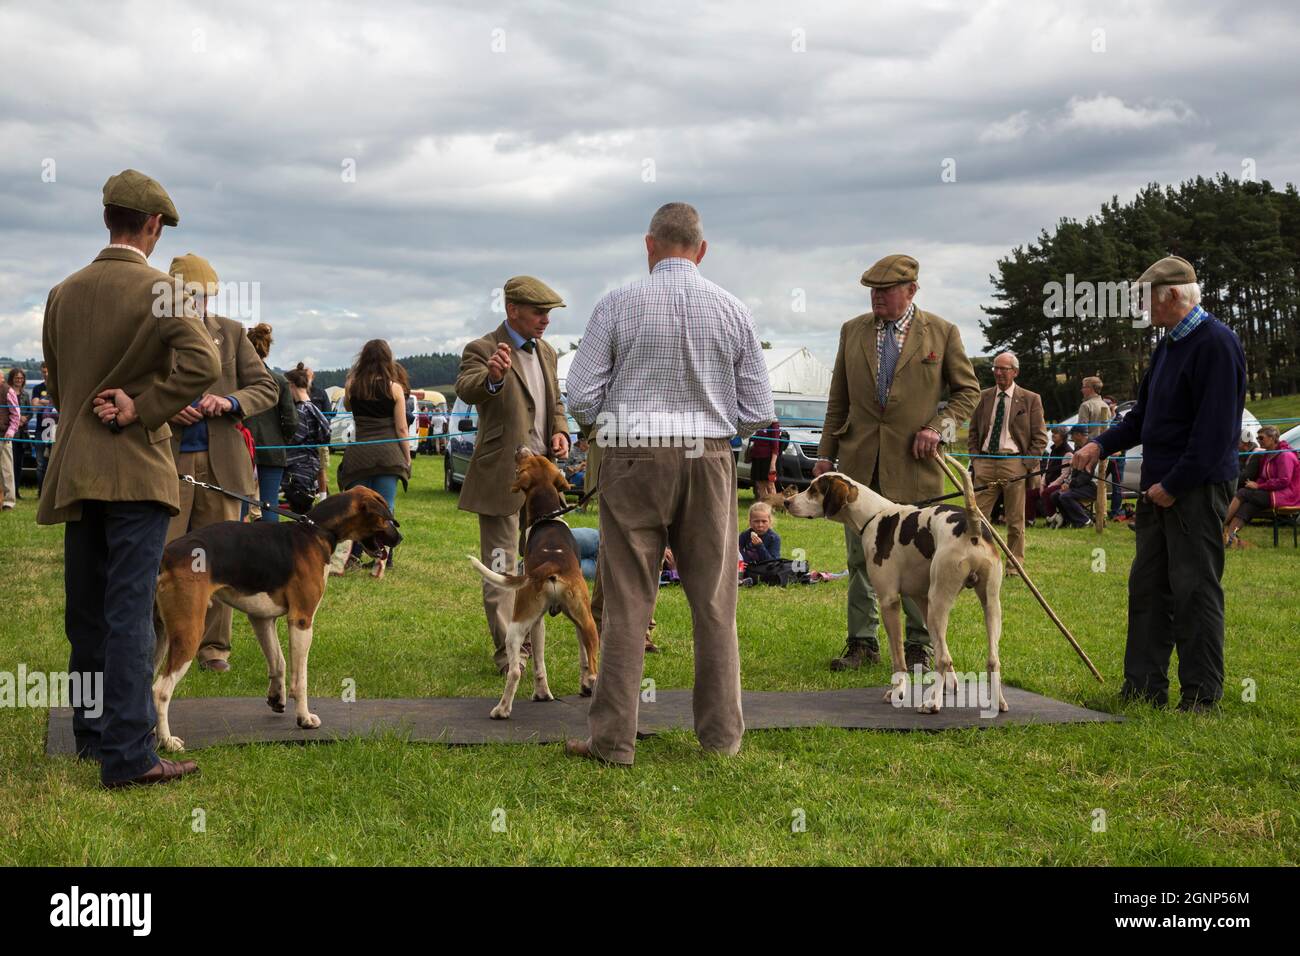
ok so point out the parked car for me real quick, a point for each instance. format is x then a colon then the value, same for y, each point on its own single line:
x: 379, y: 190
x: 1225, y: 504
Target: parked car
x: 462, y: 432
x: 801, y: 418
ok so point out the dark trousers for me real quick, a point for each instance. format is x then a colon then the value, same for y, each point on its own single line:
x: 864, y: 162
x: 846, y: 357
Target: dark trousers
x: 110, y: 562
x: 1070, y: 505
x: 1175, y: 599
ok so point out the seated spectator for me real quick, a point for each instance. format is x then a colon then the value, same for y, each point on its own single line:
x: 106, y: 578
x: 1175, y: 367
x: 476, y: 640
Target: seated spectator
x: 1074, y: 487
x: 1054, y: 459
x: 1278, y: 485
x: 760, y: 542
x: 1247, y: 462
x: 575, y: 466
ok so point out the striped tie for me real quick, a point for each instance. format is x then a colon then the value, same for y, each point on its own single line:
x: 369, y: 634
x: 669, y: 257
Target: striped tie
x: 888, y: 361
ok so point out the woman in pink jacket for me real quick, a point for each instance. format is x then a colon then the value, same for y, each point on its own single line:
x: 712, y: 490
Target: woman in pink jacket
x: 1278, y: 485
x: 11, y: 417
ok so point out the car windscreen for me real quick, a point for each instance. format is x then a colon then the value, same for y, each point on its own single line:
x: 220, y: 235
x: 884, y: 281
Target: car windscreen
x: 800, y: 413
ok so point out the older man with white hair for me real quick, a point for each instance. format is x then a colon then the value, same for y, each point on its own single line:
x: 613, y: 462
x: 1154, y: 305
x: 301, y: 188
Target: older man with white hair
x: 1008, y: 436
x: 1188, y: 421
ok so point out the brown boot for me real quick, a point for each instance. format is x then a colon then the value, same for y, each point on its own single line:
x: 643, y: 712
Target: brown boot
x: 921, y: 654
x: 856, y: 652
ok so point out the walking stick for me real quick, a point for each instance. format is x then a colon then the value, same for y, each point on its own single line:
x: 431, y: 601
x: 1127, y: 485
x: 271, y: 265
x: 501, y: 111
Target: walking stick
x: 943, y: 463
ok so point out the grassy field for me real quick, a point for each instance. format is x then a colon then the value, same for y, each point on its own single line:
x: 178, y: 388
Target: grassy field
x: 1175, y: 789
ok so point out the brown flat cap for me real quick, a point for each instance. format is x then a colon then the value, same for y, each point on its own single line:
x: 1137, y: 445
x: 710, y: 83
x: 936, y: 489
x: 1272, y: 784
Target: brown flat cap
x: 891, y: 270
x: 529, y: 291
x: 134, y: 190
x: 1171, y: 270
x: 195, y: 272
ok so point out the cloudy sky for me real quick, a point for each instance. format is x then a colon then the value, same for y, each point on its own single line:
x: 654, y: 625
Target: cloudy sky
x: 379, y: 170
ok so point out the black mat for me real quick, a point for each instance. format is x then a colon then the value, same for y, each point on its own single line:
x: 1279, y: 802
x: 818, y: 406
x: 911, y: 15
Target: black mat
x: 205, y: 721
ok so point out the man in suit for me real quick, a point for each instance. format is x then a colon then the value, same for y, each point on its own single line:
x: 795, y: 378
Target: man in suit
x: 1009, y: 428
x: 206, y: 440
x: 509, y: 375
x: 122, y: 361
x: 884, y: 425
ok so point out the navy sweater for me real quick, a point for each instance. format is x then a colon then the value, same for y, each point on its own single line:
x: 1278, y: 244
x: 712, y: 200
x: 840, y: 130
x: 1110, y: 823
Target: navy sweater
x: 1188, y: 412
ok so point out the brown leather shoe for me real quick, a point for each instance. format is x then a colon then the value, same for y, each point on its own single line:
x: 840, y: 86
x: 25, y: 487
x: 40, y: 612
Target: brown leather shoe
x: 582, y: 748
x: 856, y: 653
x: 216, y: 664
x: 164, y: 771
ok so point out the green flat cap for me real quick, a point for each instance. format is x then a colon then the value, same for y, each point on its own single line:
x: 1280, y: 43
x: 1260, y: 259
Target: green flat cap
x: 1171, y: 270
x: 134, y: 190
x: 195, y: 271
x: 530, y: 291
x: 891, y: 270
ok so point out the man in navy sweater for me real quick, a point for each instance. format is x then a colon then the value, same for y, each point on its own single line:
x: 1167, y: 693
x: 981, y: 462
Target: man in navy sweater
x: 1187, y: 419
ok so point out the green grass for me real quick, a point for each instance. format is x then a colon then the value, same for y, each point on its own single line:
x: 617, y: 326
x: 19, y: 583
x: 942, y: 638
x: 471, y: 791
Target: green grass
x: 1285, y: 406
x: 1176, y: 789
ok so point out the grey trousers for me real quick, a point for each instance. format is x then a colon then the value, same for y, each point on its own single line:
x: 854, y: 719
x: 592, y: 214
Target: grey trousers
x: 652, y: 498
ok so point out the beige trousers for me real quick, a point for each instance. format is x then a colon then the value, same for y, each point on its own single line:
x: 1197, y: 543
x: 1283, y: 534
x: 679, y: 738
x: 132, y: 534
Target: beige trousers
x: 1013, y: 497
x: 651, y: 498
x: 498, y: 540
x: 200, y: 508
x: 8, y: 477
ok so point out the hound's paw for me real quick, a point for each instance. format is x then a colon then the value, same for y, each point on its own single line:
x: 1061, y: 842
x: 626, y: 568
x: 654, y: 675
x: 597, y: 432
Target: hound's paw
x: 587, y: 687
x: 276, y: 703
x: 500, y: 712
x: 543, y: 695
x: 310, y: 722
x: 1002, y: 706
x: 173, y: 744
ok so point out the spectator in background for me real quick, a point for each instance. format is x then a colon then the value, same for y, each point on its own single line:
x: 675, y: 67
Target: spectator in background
x: 1278, y: 485
x: 304, y: 477
x: 763, y: 449
x: 1094, y: 413
x: 17, y: 383
x: 377, y: 460
x: 1074, y: 487
x: 1249, y: 463
x: 320, y: 398
x: 760, y: 542
x: 46, y: 416
x: 10, y: 420
x: 1115, y: 467
x: 271, y: 429
x: 1037, y: 501
x: 575, y: 469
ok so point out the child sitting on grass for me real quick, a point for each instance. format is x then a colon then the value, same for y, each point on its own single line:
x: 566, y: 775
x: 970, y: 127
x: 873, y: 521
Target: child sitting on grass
x: 761, y: 542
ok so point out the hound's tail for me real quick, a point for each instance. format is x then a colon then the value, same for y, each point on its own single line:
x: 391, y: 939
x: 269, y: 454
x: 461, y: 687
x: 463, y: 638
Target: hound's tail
x: 973, y: 522
x: 512, y: 581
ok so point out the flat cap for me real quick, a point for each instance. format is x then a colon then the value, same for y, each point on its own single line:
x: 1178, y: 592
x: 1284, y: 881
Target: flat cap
x: 891, y: 270
x: 131, y: 189
x: 195, y: 271
x: 1171, y: 270
x: 530, y: 291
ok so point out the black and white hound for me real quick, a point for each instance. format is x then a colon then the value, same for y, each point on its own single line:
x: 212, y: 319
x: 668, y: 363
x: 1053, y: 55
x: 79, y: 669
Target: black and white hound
x: 929, y: 554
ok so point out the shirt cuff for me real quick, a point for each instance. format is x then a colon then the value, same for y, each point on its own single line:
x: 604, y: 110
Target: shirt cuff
x: 494, y: 388
x: 234, y: 405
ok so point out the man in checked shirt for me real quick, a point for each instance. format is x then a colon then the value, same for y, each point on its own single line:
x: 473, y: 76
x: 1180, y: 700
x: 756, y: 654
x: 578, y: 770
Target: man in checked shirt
x: 668, y: 370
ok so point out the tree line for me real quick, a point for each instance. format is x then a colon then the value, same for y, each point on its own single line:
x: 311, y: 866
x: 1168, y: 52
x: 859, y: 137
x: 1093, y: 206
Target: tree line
x: 1057, y: 299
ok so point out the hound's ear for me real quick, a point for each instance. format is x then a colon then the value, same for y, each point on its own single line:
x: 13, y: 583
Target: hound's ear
x: 836, y: 492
